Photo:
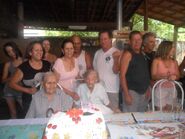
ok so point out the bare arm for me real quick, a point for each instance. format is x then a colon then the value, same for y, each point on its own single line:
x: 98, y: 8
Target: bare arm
x: 115, y: 110
x: 125, y: 60
x: 5, y: 77
x: 74, y: 95
x: 169, y: 76
x: 176, y: 75
x: 116, y: 66
x: 88, y: 60
x: 14, y: 83
x: 154, y: 71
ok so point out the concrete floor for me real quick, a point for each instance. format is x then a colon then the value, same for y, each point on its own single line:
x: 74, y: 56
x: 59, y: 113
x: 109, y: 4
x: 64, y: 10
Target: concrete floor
x: 4, y: 112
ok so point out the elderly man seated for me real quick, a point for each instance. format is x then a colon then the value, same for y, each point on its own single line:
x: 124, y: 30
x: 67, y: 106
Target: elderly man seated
x: 47, y: 100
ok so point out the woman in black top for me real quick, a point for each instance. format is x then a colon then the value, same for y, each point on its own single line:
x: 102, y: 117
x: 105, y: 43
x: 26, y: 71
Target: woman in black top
x: 29, y: 74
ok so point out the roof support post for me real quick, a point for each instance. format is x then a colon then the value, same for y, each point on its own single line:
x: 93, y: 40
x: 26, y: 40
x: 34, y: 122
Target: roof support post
x: 146, y: 15
x: 20, y: 13
x: 119, y: 14
x: 175, y: 34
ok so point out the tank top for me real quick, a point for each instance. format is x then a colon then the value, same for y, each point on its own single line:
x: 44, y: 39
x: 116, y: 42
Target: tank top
x: 7, y: 90
x: 163, y: 70
x: 137, y: 76
x: 82, y: 63
x: 11, y: 68
x: 67, y: 78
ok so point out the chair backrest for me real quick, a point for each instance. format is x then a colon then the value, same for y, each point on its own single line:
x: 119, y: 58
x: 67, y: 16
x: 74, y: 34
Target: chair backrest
x: 39, y: 86
x: 159, y: 84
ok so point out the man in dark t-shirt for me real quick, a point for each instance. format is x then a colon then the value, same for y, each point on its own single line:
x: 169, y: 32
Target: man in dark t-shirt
x: 149, y: 43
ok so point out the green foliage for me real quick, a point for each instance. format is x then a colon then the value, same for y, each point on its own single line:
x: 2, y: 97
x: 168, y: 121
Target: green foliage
x: 70, y: 33
x: 181, y: 34
x: 162, y: 30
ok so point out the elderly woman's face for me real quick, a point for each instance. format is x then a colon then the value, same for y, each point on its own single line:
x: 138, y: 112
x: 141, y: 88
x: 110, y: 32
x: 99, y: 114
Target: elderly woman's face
x: 50, y: 85
x: 91, y: 80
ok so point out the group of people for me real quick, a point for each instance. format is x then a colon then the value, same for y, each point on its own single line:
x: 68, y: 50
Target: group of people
x: 50, y: 84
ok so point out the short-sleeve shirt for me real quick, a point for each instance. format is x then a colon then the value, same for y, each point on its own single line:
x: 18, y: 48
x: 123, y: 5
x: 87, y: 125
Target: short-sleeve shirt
x: 40, y: 104
x: 103, y: 64
x: 97, y: 96
x: 31, y: 76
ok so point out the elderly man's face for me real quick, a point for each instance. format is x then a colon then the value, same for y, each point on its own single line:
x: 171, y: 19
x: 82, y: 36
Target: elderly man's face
x: 150, y: 43
x: 77, y: 44
x: 50, y: 84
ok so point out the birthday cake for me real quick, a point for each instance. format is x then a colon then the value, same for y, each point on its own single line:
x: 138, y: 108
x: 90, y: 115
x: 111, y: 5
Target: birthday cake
x: 76, y: 124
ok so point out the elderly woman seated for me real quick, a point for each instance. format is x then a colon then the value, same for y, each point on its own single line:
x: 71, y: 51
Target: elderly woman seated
x: 47, y: 100
x: 92, y: 92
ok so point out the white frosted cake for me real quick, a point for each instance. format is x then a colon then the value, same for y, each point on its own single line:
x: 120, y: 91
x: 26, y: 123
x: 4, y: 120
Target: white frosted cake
x: 76, y: 124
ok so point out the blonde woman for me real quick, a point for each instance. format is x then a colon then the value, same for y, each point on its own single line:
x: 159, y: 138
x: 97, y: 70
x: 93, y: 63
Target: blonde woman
x: 165, y: 66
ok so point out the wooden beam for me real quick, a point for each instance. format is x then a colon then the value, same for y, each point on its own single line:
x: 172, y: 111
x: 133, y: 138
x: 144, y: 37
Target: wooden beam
x: 152, y: 4
x: 152, y: 14
x: 93, y: 26
x: 107, y: 5
x: 113, y: 4
x: 146, y: 15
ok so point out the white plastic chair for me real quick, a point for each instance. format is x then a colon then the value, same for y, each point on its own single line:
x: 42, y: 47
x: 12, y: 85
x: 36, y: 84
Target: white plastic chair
x: 159, y: 84
x: 40, y: 86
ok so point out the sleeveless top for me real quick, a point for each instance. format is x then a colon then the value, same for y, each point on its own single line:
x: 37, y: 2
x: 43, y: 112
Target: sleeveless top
x: 67, y: 80
x: 82, y: 63
x: 12, y: 68
x: 7, y: 90
x: 163, y: 70
x: 137, y: 76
